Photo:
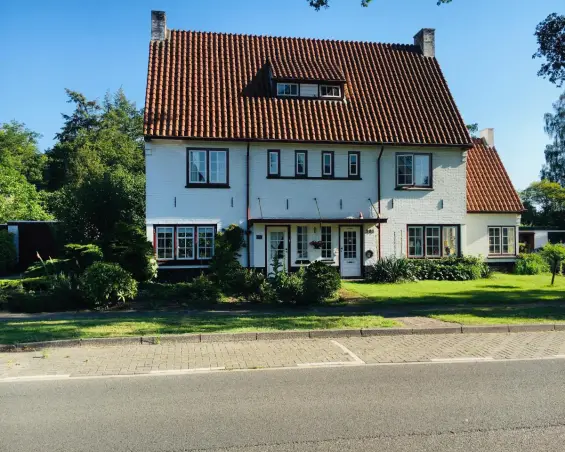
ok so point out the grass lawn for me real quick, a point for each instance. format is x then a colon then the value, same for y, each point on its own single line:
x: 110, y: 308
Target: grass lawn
x: 30, y: 331
x: 504, y: 315
x: 499, y: 289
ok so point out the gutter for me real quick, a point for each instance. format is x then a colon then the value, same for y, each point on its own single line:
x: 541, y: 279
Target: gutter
x: 248, y: 212
x: 379, y: 196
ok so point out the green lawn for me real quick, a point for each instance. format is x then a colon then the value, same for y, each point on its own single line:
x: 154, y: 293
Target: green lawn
x: 503, y: 316
x: 30, y: 331
x: 499, y: 289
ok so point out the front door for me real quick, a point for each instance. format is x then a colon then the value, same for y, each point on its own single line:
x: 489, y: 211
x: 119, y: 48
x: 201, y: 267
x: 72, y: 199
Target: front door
x: 350, y: 259
x: 277, y: 249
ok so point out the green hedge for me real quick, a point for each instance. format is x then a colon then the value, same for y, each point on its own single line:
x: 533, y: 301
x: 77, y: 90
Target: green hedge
x: 8, y: 252
x: 531, y: 264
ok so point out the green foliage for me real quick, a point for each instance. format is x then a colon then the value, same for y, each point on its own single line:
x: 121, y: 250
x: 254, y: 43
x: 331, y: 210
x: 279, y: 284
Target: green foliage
x: 550, y: 34
x: 224, y: 266
x: 473, y: 129
x: 83, y: 256
x: 200, y: 292
x: 554, y: 254
x: 105, y: 284
x: 256, y: 288
x: 545, y: 204
x: 390, y: 270
x: 531, y: 264
x: 320, y: 283
x: 49, y: 267
x: 289, y: 287
x: 319, y: 4
x: 203, y: 291
x: 8, y: 253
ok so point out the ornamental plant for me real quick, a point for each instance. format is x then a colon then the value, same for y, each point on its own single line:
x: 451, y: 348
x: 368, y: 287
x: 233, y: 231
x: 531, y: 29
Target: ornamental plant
x: 105, y: 284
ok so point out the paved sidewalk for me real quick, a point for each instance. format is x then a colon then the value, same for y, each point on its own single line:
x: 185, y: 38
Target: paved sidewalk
x: 143, y: 359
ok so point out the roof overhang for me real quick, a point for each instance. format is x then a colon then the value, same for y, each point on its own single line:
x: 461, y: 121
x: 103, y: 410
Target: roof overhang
x: 316, y: 220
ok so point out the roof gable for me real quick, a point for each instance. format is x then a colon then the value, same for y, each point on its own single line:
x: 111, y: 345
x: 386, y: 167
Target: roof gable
x: 217, y: 86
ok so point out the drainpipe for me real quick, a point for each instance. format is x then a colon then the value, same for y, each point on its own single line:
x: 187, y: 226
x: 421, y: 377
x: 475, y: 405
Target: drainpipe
x: 248, y: 213
x: 379, y: 195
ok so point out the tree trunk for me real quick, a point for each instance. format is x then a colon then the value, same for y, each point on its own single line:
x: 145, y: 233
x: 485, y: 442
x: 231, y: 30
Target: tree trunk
x: 554, y: 271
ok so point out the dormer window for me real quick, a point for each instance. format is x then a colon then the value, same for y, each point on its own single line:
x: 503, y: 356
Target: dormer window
x: 330, y: 91
x: 287, y: 89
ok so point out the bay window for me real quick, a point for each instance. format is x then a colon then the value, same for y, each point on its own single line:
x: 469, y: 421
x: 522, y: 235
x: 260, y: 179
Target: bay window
x: 184, y: 243
x: 433, y: 241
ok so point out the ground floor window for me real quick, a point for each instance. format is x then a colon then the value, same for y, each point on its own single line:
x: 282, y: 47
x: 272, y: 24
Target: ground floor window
x: 327, y: 249
x: 502, y: 240
x: 302, y: 242
x: 186, y: 243
x: 433, y: 241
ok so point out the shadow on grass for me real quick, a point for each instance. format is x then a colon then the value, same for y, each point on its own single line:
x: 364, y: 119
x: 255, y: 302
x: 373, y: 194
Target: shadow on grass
x: 502, y: 315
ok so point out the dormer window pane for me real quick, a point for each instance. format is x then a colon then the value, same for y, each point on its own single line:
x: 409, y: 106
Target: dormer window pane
x: 287, y: 89
x: 330, y: 91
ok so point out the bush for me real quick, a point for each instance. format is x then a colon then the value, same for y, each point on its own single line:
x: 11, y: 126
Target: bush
x: 203, y: 291
x: 83, y: 256
x: 225, y: 268
x: 554, y: 254
x: 531, y: 264
x: 50, y: 267
x: 320, y: 283
x: 200, y: 292
x: 106, y: 284
x: 8, y: 252
x: 289, y: 287
x: 256, y: 288
x: 390, y: 270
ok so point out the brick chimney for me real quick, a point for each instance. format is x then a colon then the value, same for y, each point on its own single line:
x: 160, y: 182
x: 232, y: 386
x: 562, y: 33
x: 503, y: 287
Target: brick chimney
x: 158, y: 26
x: 488, y: 136
x: 426, y: 40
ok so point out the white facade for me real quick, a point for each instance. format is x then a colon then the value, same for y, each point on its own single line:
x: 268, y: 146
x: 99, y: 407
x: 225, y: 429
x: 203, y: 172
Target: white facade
x: 348, y: 205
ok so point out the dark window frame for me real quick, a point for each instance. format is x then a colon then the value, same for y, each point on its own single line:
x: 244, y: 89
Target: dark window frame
x: 332, y: 170
x: 413, y: 184
x: 349, y: 174
x: 175, y: 260
x: 207, y: 184
x: 288, y: 83
x: 329, y: 85
x: 278, y: 153
x: 296, y: 174
x: 424, y: 240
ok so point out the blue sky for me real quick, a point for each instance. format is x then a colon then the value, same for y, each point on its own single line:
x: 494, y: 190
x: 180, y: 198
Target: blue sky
x: 484, y: 48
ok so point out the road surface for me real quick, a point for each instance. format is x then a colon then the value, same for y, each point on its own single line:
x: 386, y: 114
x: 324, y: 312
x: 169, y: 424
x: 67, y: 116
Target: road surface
x: 495, y: 406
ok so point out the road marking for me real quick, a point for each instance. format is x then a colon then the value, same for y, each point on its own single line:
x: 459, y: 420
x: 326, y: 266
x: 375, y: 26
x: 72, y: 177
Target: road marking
x: 462, y: 359
x: 184, y: 371
x: 35, y: 378
x: 349, y: 352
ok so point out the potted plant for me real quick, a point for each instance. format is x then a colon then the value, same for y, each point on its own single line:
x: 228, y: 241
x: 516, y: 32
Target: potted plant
x: 316, y: 244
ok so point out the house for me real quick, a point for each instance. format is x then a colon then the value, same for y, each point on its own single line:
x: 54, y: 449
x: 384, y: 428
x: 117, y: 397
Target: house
x: 327, y: 150
x: 535, y: 238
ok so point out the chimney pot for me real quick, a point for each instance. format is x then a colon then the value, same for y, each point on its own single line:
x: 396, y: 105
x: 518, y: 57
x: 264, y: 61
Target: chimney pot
x: 488, y: 136
x: 426, y: 40
x: 158, y: 25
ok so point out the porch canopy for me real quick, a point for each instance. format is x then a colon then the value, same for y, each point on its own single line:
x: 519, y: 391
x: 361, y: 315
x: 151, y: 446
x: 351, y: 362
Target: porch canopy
x: 316, y: 220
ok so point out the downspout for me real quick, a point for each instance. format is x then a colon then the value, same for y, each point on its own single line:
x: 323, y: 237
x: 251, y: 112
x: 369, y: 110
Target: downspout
x: 379, y: 196
x: 248, y: 213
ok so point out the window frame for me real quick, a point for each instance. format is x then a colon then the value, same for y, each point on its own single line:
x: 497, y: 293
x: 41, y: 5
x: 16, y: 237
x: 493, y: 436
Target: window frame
x: 207, y: 183
x: 302, y: 232
x: 196, y: 259
x: 350, y: 175
x: 424, y: 228
x: 414, y: 156
x: 156, y: 242
x: 177, y: 243
x: 276, y: 152
x: 332, y: 164
x: 198, y: 228
x: 330, y: 96
x: 291, y: 84
x: 501, y: 229
x: 296, y: 173
x: 325, y: 242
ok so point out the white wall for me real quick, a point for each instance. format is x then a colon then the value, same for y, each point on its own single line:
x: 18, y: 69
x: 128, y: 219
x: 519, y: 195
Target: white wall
x: 476, y: 232
x: 445, y: 203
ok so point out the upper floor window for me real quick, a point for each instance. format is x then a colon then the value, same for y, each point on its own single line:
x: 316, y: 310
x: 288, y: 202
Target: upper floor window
x: 330, y: 91
x: 300, y: 163
x: 287, y: 89
x: 208, y: 167
x: 274, y: 163
x: 327, y: 164
x: 413, y: 170
x: 354, y: 164
x: 502, y: 240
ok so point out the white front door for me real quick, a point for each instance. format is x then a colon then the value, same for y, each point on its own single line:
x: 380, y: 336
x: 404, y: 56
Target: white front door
x: 277, y: 242
x: 350, y: 258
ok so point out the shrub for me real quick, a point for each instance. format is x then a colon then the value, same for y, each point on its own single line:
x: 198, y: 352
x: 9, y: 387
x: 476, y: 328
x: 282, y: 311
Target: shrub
x: 320, y: 283
x: 224, y: 267
x: 105, y: 284
x: 554, y: 254
x: 49, y: 267
x: 289, y: 287
x: 203, y: 291
x: 83, y: 256
x: 256, y: 288
x: 531, y: 264
x: 391, y: 270
x: 8, y: 252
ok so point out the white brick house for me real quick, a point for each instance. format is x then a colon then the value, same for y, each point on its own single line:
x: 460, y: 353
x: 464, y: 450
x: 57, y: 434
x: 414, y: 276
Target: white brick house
x: 339, y: 151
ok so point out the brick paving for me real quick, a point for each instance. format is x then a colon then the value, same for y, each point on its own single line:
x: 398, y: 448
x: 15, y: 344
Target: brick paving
x: 143, y: 359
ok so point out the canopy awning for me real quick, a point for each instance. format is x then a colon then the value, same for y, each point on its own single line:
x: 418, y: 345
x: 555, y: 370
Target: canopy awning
x: 316, y: 220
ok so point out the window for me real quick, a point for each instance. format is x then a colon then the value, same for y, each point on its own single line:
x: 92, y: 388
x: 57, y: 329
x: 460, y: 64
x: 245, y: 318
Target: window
x: 185, y: 242
x: 502, y: 240
x: 327, y: 164
x: 208, y: 167
x: 327, y: 250
x: 300, y: 163
x: 433, y: 241
x: 287, y: 89
x: 330, y: 91
x: 164, y: 243
x: 273, y: 163
x: 205, y: 242
x: 302, y: 242
x: 353, y: 164
x: 413, y: 170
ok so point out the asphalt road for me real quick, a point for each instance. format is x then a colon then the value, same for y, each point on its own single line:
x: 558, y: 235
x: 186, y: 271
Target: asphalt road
x: 495, y: 406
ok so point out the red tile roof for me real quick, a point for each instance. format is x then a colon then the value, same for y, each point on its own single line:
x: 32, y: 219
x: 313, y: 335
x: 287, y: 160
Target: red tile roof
x: 216, y: 86
x: 306, y: 70
x: 489, y: 188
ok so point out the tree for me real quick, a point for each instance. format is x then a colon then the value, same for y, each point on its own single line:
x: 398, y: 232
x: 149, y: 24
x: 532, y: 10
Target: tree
x: 550, y: 35
x: 554, y: 167
x: 20, y: 200
x: 319, y: 4
x: 554, y: 254
x: 545, y: 204
x: 473, y: 129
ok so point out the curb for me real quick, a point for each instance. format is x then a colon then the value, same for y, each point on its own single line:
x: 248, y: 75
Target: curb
x: 280, y: 335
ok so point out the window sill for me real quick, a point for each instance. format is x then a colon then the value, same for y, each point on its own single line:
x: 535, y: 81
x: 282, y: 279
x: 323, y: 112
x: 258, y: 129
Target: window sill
x: 501, y: 256
x: 302, y: 262
x: 409, y: 188
x: 314, y: 177
x: 207, y: 186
